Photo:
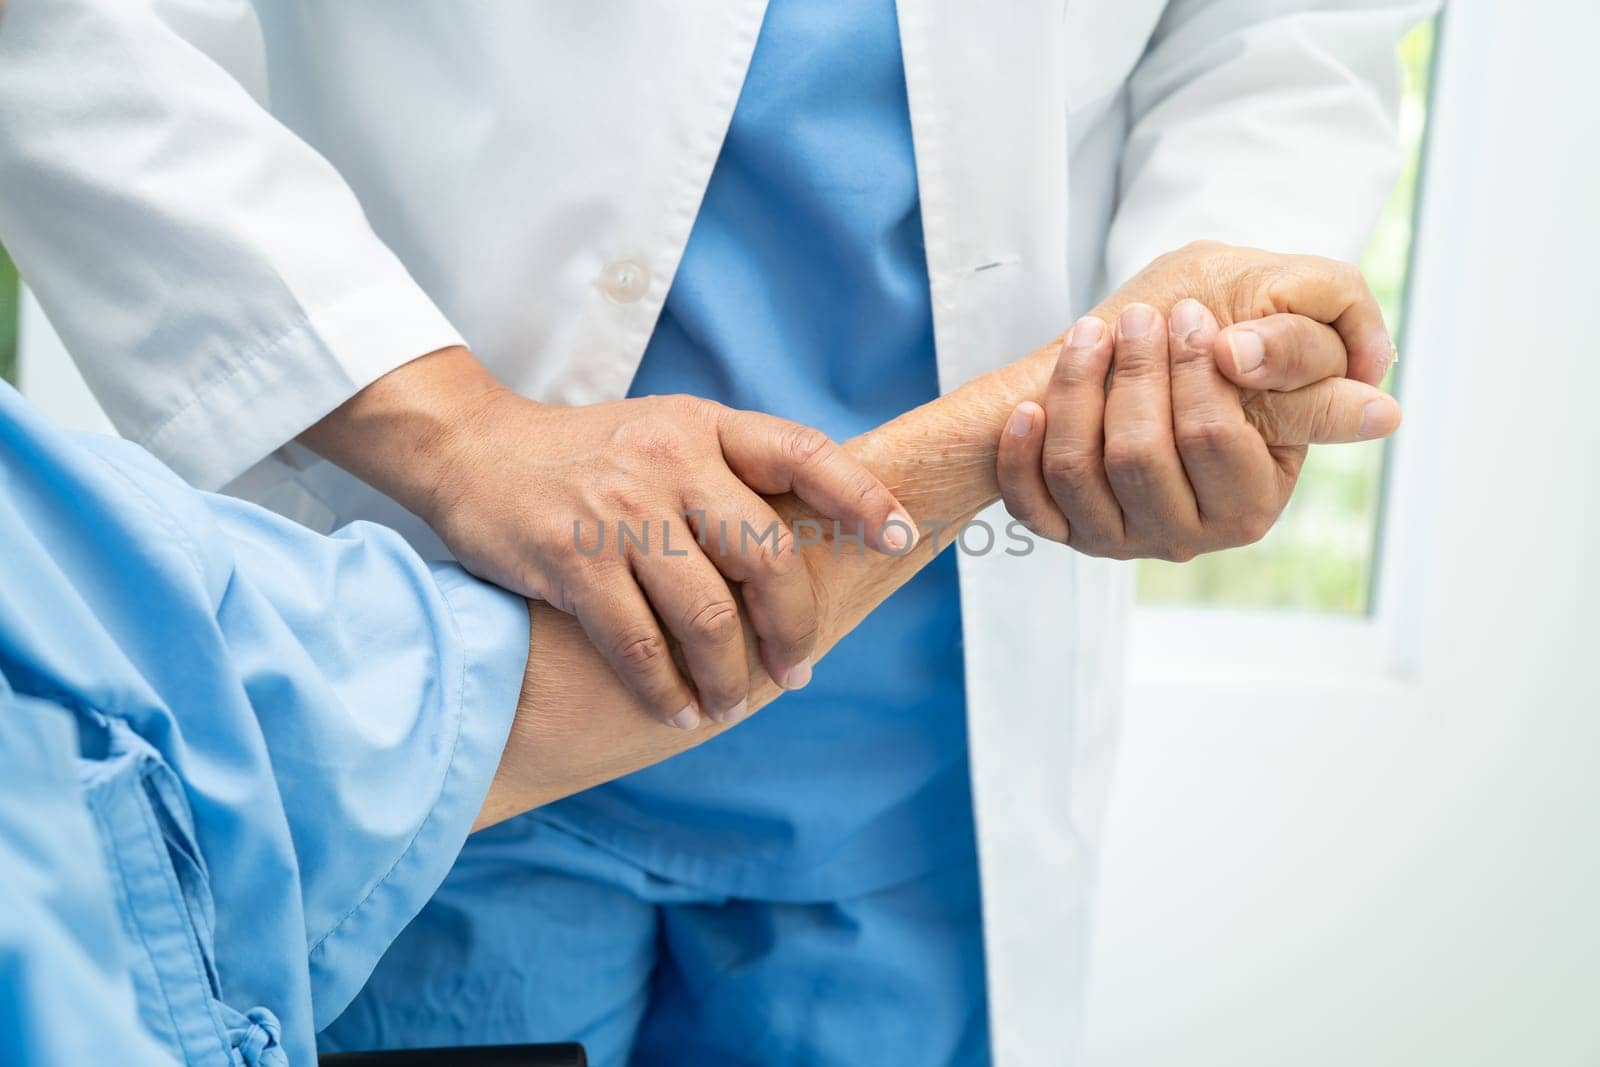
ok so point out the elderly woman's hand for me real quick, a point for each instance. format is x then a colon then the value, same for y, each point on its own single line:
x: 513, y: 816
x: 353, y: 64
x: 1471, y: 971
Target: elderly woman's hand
x: 1167, y: 438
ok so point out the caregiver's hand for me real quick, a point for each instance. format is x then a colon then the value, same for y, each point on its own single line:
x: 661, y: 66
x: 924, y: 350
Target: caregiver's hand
x: 514, y: 488
x: 1168, y: 458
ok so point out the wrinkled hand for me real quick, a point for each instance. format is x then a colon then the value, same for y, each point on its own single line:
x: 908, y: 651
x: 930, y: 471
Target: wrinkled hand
x: 1166, y: 440
x: 541, y: 484
x: 521, y: 492
x: 1246, y: 284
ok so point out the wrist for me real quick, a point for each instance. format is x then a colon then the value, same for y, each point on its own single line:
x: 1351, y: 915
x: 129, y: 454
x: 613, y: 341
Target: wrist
x: 959, y: 435
x: 405, y: 433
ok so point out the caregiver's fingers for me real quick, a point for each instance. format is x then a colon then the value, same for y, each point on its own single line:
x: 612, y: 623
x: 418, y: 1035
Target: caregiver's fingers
x: 618, y: 619
x: 1073, y: 459
x: 747, y: 541
x: 1333, y: 411
x: 1019, y: 468
x: 697, y: 607
x: 1142, y: 464
x: 1280, y: 352
x: 773, y: 455
x: 1237, y: 483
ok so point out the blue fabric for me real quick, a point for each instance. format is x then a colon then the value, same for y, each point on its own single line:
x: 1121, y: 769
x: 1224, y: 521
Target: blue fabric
x: 647, y: 970
x: 804, y: 293
x: 265, y: 747
x: 802, y: 889
x: 66, y: 994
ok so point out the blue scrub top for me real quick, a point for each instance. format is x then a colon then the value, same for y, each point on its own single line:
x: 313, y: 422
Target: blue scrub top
x: 236, y: 757
x: 803, y: 292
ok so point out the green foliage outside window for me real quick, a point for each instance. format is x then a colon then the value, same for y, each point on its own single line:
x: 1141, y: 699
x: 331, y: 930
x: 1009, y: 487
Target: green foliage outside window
x: 8, y: 319
x: 1320, y: 555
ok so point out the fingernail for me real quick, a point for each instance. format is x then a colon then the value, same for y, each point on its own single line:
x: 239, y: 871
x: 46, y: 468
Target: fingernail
x: 687, y: 719
x: 1138, y: 320
x: 733, y: 714
x: 898, y: 534
x: 1248, y: 350
x: 1187, y: 318
x: 798, y: 676
x: 1087, y: 333
x: 1021, y: 422
x: 1379, y: 418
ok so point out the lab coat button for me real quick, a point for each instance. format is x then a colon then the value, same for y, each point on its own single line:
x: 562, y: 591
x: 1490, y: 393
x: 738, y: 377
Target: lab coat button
x: 624, y: 281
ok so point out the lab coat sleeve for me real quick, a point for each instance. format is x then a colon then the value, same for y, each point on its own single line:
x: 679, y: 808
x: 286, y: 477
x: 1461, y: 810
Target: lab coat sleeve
x: 213, y: 276
x: 1268, y: 123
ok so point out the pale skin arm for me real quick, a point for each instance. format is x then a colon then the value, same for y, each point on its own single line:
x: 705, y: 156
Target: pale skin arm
x: 577, y: 726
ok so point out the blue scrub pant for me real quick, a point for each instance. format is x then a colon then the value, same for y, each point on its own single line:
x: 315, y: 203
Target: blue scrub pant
x: 538, y: 935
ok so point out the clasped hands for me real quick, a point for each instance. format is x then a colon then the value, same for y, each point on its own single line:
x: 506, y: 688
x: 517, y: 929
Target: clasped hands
x: 1177, y: 414
x: 1171, y: 405
x: 1171, y: 421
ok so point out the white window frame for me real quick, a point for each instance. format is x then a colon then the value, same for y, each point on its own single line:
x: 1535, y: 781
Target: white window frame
x: 1196, y: 644
x: 1388, y: 858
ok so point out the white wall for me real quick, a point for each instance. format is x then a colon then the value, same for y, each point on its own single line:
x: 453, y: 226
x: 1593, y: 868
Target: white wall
x: 1393, y: 858
x: 48, y: 377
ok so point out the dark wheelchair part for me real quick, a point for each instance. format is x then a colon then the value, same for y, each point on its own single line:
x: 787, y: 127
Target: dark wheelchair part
x: 564, y: 1055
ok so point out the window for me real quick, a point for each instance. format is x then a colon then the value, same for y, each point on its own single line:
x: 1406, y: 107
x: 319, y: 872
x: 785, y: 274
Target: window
x: 1321, y: 555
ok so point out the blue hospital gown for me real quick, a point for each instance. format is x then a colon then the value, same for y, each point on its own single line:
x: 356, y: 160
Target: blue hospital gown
x: 236, y: 757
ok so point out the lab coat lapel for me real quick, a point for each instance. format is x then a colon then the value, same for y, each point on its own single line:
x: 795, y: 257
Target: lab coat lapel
x: 988, y: 109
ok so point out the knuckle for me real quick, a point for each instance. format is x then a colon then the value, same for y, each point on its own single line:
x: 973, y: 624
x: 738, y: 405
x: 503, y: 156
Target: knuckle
x: 797, y: 633
x: 1076, y: 370
x: 1255, y: 525
x: 863, y: 489
x: 1206, y: 435
x: 639, y: 648
x: 1089, y: 546
x: 775, y: 556
x: 560, y: 594
x: 1269, y: 292
x: 1019, y: 509
x: 1132, y: 455
x: 715, y: 621
x: 1139, y: 359
x: 1024, y: 509
x: 1191, y: 347
x: 617, y: 498
x: 1348, y: 277
x: 1065, y: 465
x: 1096, y: 542
x: 1203, y: 246
x: 1179, y: 552
x: 687, y: 405
x: 802, y: 445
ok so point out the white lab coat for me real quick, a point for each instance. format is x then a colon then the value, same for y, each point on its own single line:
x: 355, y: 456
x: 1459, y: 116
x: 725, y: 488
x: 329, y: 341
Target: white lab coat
x: 237, y: 216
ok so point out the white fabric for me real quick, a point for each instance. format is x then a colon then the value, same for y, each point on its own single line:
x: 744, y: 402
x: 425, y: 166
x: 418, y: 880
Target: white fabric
x: 238, y: 216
